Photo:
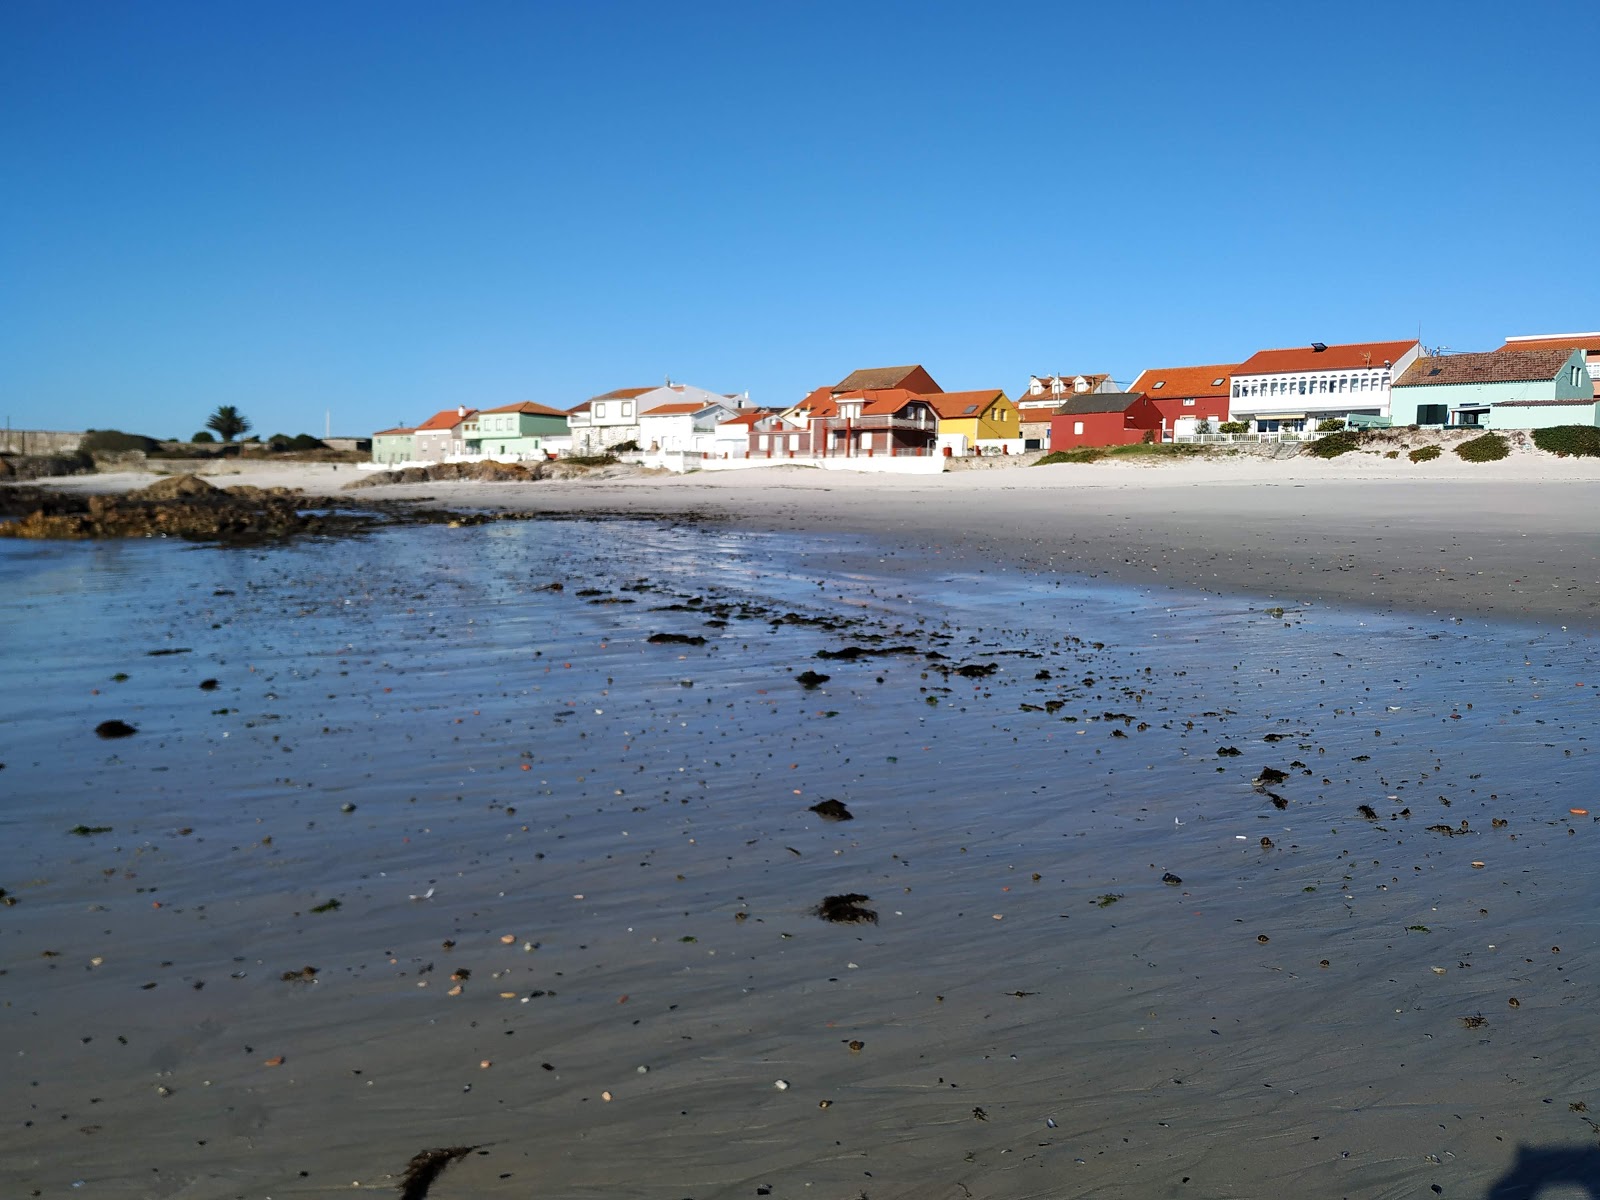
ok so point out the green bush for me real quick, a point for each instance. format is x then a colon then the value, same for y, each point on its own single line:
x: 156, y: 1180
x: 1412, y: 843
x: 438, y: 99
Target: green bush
x: 591, y: 460
x: 1569, y: 439
x: 1330, y: 424
x: 1088, y: 454
x: 1489, y: 448
x: 1234, y: 427
x: 114, y: 441
x: 203, y: 438
x: 1424, y: 454
x: 304, y: 441
x: 1334, y: 444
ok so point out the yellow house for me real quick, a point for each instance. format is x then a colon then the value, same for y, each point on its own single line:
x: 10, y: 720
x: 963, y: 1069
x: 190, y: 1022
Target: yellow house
x: 986, y: 419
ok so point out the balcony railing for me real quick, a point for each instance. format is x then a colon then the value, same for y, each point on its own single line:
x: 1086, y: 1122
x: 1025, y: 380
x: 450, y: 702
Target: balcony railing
x: 874, y: 421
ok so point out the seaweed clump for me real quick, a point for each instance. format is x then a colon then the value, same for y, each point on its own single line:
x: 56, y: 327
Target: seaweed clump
x: 846, y: 909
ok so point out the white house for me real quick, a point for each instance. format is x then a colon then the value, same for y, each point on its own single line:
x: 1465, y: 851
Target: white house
x: 613, y: 419
x: 1290, y: 389
x: 683, y: 425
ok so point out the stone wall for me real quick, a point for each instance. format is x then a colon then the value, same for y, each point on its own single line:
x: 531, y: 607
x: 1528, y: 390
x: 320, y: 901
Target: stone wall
x: 38, y: 441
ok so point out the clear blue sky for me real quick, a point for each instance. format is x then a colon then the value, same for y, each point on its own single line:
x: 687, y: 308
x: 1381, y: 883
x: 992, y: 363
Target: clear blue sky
x: 387, y: 208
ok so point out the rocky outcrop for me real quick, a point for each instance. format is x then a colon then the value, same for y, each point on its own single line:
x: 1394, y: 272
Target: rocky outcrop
x: 487, y: 471
x: 182, y: 506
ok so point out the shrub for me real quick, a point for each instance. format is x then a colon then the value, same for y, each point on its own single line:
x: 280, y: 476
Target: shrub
x: 304, y: 441
x: 203, y: 438
x: 1488, y: 448
x: 1424, y: 454
x: 1234, y: 427
x: 1391, y: 454
x: 1334, y: 444
x: 1149, y: 438
x: 628, y: 447
x: 114, y: 441
x: 1569, y: 439
x: 1330, y: 424
x: 591, y: 460
x: 1088, y: 454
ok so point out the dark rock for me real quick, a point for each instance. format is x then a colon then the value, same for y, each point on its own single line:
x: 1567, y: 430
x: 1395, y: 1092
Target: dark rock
x: 1229, y: 752
x: 114, y: 729
x: 846, y: 909
x: 676, y: 639
x: 1170, y: 879
x: 977, y: 670
x: 811, y: 679
x: 1269, y: 776
x: 834, y: 810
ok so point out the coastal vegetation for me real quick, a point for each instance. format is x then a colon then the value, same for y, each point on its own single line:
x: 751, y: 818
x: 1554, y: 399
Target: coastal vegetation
x: 1089, y: 454
x: 1424, y: 454
x: 1491, y: 447
x: 1565, y: 440
x: 1335, y: 444
x: 228, y: 422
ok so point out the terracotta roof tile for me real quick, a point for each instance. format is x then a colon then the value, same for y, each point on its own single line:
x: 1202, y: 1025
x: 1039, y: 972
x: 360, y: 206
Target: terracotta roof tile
x: 677, y: 408
x: 447, y: 418
x: 621, y: 394
x: 1349, y: 357
x: 963, y: 404
x: 1589, y: 342
x: 1159, y: 383
x: 1501, y: 366
x: 877, y: 378
x: 528, y: 406
x: 393, y: 432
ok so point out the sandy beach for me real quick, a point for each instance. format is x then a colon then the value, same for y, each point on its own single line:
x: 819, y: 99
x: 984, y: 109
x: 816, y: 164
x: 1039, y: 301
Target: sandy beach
x: 1189, y: 882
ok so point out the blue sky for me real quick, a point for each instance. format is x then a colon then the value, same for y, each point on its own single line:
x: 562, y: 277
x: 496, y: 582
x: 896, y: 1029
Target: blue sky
x: 385, y: 209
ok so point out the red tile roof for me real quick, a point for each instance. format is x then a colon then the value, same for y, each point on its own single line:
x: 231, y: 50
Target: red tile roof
x: 964, y: 404
x: 447, y: 419
x: 1589, y: 342
x: 1194, y: 382
x: 1502, y: 366
x: 748, y: 416
x: 676, y: 409
x: 528, y: 406
x: 878, y: 401
x: 393, y: 432
x: 872, y: 379
x: 1351, y: 357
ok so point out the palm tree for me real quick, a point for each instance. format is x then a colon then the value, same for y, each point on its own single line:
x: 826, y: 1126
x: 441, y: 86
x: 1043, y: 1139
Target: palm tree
x: 229, y: 422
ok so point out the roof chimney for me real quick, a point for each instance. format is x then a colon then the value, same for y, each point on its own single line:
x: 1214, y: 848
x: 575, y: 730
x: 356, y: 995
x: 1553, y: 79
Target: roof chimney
x: 461, y: 410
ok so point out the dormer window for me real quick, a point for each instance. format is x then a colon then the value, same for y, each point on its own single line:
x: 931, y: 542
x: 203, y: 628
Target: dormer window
x: 1058, y: 386
x: 1035, y: 386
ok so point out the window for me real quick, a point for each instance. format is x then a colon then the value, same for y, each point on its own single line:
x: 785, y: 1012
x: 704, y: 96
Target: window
x: 599, y: 410
x: 1302, y: 387
x: 1574, y: 371
x: 1236, y: 391
x: 762, y: 441
x: 627, y: 408
x: 1077, y: 427
x: 1188, y: 402
x: 1158, y: 385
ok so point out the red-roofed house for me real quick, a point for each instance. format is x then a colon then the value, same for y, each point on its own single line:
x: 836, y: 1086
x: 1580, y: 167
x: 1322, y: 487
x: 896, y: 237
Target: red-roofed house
x: 734, y: 436
x: 984, y: 421
x: 911, y: 379
x: 442, y: 435
x: 1589, y: 343
x: 393, y: 446
x: 1186, y: 397
x: 514, y: 432
x: 1290, y: 389
x: 683, y: 424
x: 861, y: 424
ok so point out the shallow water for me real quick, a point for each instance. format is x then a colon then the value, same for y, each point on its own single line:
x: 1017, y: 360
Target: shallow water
x: 634, y: 819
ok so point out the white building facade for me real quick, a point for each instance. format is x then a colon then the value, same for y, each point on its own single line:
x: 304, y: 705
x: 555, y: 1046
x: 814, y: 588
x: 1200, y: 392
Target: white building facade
x: 1293, y: 389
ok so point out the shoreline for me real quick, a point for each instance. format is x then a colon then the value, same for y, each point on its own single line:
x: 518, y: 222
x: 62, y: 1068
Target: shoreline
x: 1509, y: 541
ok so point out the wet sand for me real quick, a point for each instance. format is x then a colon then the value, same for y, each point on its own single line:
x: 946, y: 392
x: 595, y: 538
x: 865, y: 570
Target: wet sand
x: 1515, y: 540
x: 611, y: 959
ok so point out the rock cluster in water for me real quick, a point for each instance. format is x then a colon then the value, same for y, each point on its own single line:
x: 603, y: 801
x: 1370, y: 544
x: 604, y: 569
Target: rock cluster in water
x: 182, y: 506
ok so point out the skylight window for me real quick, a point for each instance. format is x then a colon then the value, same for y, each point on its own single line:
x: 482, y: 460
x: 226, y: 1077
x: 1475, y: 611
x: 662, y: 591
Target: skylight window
x: 971, y: 408
x: 1158, y: 385
x: 1218, y: 382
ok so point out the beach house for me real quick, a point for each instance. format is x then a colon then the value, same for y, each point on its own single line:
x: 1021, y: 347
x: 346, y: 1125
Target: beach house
x: 1287, y: 390
x: 1189, y: 399
x: 442, y: 435
x: 1505, y: 389
x: 1104, y: 419
x: 393, y: 446
x: 983, y: 422
x: 683, y: 425
x: 515, y: 431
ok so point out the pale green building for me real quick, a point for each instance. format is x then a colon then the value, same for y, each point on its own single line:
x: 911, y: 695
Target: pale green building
x: 391, y: 446
x: 516, y: 431
x: 1506, y: 389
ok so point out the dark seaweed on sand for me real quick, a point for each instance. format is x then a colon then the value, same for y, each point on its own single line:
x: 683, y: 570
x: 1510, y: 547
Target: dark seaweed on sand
x: 676, y: 639
x: 846, y: 909
x: 426, y: 1167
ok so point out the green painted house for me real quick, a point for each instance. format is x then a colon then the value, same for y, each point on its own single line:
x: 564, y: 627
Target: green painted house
x: 1508, y: 389
x: 516, y: 431
x: 391, y: 446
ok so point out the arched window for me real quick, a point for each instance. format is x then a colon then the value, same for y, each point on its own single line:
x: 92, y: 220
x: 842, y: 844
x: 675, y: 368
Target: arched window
x: 1236, y: 391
